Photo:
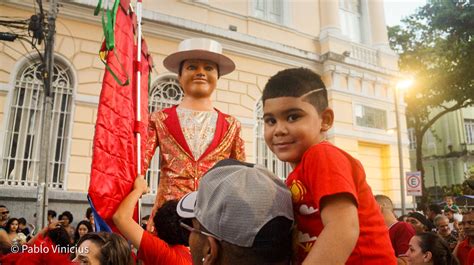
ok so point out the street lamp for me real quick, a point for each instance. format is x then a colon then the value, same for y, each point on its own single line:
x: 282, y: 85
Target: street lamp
x: 401, y: 85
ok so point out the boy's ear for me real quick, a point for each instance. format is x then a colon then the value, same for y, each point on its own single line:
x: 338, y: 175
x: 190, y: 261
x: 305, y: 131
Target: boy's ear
x: 327, y: 117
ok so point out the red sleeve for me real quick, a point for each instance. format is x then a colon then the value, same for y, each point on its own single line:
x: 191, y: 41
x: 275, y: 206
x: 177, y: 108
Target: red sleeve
x: 328, y: 172
x: 154, y: 250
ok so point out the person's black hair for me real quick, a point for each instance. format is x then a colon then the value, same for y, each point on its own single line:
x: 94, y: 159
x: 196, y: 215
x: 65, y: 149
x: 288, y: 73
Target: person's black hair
x: 435, y: 208
x: 59, y: 236
x: 9, y: 222
x: 3, y: 206
x: 440, y: 251
x: 296, y: 82
x: 76, y: 231
x: 146, y: 217
x: 22, y: 221
x: 88, y: 213
x: 401, y: 218
x: 166, y: 222
x: 68, y: 214
x: 52, y: 213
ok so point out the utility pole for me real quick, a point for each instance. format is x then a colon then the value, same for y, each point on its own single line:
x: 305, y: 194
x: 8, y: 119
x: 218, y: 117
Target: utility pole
x: 48, y: 71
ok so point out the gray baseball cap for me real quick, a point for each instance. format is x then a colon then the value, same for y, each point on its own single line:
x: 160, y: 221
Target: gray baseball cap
x: 235, y: 200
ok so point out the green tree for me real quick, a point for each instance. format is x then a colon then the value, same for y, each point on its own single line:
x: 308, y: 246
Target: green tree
x: 436, y: 45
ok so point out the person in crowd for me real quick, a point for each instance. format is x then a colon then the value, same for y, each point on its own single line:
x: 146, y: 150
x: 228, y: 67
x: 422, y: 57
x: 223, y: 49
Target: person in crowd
x: 16, y: 238
x: 4, y: 214
x: 427, y: 248
x: 103, y: 248
x: 450, y: 205
x: 442, y: 227
x: 331, y: 199
x: 453, y: 223
x: 241, y: 214
x: 5, y: 243
x: 51, y: 246
x: 400, y: 232
x: 169, y: 247
x: 67, y: 218
x: 419, y: 222
x: 432, y: 211
x: 464, y: 247
x: 90, y: 218
x: 192, y: 136
x: 51, y: 216
x: 23, y: 227
x: 82, y: 228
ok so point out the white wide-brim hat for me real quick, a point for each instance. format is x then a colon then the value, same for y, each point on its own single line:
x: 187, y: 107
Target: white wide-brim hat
x: 201, y: 49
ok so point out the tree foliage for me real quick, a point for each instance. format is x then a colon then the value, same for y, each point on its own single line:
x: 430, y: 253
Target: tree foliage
x: 436, y: 46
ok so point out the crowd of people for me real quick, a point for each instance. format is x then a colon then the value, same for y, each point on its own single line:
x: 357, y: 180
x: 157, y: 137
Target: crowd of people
x: 214, y: 208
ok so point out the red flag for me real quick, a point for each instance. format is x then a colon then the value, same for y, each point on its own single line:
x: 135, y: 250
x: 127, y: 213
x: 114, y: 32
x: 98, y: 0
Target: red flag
x: 114, y: 159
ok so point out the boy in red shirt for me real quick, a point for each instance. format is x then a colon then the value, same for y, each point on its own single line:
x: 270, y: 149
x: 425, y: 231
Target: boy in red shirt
x: 337, y: 217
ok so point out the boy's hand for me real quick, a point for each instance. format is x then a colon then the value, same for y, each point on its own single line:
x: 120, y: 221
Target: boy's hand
x: 141, y: 185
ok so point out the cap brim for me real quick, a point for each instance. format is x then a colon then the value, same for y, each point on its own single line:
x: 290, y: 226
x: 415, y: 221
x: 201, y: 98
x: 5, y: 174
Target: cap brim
x: 225, y: 64
x: 185, y: 207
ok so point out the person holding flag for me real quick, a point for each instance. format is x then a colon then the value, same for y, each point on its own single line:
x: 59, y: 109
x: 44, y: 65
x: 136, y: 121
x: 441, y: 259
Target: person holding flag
x: 192, y: 136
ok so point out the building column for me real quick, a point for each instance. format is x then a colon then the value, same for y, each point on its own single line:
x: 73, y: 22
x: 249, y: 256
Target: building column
x: 329, y: 17
x: 378, y: 27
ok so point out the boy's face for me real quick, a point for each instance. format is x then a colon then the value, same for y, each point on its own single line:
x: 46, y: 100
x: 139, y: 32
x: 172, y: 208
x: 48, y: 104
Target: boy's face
x: 292, y: 125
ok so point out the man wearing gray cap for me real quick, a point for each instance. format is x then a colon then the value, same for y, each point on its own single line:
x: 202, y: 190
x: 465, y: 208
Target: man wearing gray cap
x: 242, y: 214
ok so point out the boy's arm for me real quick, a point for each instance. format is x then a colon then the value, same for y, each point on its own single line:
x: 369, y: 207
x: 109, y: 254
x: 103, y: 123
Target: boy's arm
x: 340, y: 233
x: 123, y: 217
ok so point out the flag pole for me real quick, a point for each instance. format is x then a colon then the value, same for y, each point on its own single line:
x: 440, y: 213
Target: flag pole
x: 138, y: 111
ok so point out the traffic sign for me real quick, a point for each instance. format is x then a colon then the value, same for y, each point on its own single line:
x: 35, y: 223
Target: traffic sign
x: 413, y: 180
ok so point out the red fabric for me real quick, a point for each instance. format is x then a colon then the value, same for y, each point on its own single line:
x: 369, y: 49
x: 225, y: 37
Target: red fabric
x: 470, y: 257
x: 155, y: 251
x: 400, y: 235
x: 464, y: 252
x: 114, y: 155
x: 326, y: 170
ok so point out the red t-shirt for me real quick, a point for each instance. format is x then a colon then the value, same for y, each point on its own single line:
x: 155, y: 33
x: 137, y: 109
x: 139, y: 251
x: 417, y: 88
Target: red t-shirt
x: 155, y: 251
x: 463, y: 252
x: 400, y: 235
x: 326, y: 170
x: 470, y: 257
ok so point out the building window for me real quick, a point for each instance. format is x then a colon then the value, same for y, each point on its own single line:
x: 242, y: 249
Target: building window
x: 412, y: 138
x: 371, y: 117
x: 270, y: 10
x: 165, y: 92
x: 350, y: 16
x: 263, y: 154
x: 22, y: 148
x: 469, y: 128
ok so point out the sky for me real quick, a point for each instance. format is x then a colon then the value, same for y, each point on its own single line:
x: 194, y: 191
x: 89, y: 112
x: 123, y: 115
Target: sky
x: 396, y: 10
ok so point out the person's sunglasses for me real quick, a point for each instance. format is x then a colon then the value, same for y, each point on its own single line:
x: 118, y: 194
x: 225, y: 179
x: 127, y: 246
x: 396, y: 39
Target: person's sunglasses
x: 192, y: 229
x: 7, y: 212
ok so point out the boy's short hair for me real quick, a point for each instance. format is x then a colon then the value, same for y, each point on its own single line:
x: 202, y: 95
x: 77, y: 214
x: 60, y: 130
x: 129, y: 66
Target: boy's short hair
x: 52, y: 213
x: 296, y: 82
